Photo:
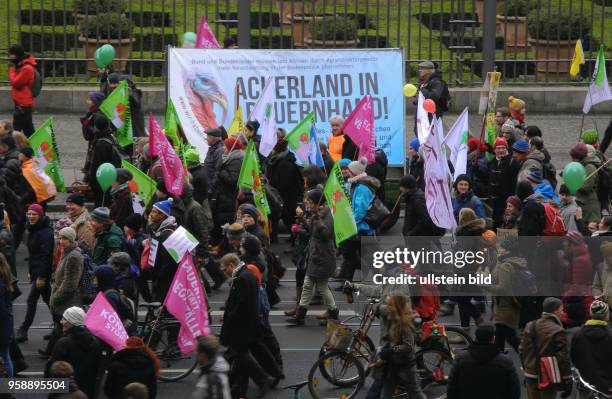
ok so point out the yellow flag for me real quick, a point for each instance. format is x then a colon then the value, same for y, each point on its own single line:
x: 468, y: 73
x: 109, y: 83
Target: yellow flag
x: 237, y: 125
x: 577, y: 60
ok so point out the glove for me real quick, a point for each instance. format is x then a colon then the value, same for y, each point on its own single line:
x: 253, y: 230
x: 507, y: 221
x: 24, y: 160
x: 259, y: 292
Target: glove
x: 568, y: 385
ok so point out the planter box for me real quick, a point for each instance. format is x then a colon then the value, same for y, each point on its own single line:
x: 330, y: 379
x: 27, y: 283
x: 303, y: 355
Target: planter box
x: 514, y: 30
x: 122, y: 47
x: 558, y: 52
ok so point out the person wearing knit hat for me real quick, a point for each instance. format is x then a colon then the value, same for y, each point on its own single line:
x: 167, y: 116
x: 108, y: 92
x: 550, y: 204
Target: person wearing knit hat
x: 165, y: 207
x: 76, y: 198
x: 101, y: 215
x: 79, y: 217
x: 357, y: 168
x: 500, y: 142
x: 27, y: 152
x: 74, y: 316
x: 503, y: 170
x: 233, y: 144
x: 415, y: 145
x: 192, y: 156
x: 414, y: 163
x: 579, y: 151
x: 587, y: 196
x: 94, y: 99
x: 520, y: 146
x: 534, y: 177
x: 517, y: 109
x: 251, y: 246
x: 68, y: 233
x: 36, y: 208
x: 343, y: 164
x: 235, y: 231
x: 123, y: 176
x: 590, y: 137
x: 121, y: 205
x: 551, y: 305
x: 108, y: 235
x: 102, y: 123
x: 512, y: 212
x: 464, y: 197
x: 249, y: 215
x: 133, y: 222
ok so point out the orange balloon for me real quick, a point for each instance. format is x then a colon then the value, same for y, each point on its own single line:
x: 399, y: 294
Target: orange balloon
x: 429, y: 105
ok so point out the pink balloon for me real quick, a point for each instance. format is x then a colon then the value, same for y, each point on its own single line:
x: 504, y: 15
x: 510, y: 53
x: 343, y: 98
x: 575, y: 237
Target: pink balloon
x: 429, y: 105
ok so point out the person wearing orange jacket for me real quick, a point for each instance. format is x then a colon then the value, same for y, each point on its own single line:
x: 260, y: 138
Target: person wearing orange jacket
x: 21, y: 76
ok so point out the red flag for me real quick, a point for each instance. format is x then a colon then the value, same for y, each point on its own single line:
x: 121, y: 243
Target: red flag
x: 359, y: 126
x: 206, y: 38
x: 172, y: 167
x: 186, y: 301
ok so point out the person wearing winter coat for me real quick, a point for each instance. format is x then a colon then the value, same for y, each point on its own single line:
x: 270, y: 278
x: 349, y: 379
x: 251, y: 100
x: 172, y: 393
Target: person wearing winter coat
x: 340, y: 146
x: 533, y: 217
x: 414, y: 164
x: 40, y: 250
x: 546, y: 337
x: 249, y: 217
x: 88, y: 123
x: 213, y: 382
x: 483, y: 362
x: 602, y: 281
x: 22, y: 75
x: 198, y: 176
x: 592, y: 348
x: 178, y: 206
x: 160, y: 226
x: 378, y: 170
x: 120, y: 206
x: 65, y: 291
x: 576, y: 260
x: 432, y: 86
x: 512, y: 213
x: 76, y: 341
x: 586, y: 196
x: 285, y: 176
x: 464, y: 197
x: 568, y: 208
x: 79, y: 216
x: 135, y: 363
x: 108, y: 235
x: 227, y: 184
x: 6, y: 314
x: 528, y: 158
x: 502, y: 170
x: 15, y: 210
x: 214, y: 157
x: 320, y: 257
x: 477, y: 167
x: 417, y: 221
x: 11, y: 169
x: 101, y: 152
x: 126, y: 275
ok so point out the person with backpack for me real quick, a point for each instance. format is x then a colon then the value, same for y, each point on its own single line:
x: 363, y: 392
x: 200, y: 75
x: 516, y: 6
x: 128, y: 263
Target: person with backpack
x: 104, y: 281
x: 108, y: 235
x: 120, y: 206
x: 126, y: 275
x: 40, y: 251
x: 88, y: 123
x: 378, y: 170
x: 464, y: 197
x: 529, y: 158
x: 576, y: 260
x: 35, y: 177
x: 433, y: 87
x: 104, y: 150
x: 213, y: 382
x: 533, y: 217
x: 65, y: 290
x: 549, y: 172
x: 25, y: 83
x: 502, y: 171
x: 586, y: 196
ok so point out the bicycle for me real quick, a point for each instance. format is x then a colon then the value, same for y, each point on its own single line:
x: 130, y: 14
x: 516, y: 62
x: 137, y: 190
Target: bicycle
x: 586, y: 390
x: 159, y: 331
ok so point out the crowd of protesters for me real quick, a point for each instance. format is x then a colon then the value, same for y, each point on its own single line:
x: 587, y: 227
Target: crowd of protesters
x: 510, y: 184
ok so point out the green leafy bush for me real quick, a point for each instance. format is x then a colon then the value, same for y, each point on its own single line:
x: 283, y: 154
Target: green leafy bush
x: 92, y: 7
x: 517, y: 8
x: 106, y: 26
x: 330, y: 28
x: 561, y: 24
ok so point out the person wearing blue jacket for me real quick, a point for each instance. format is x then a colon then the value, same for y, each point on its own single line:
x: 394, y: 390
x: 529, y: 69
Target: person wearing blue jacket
x: 464, y: 197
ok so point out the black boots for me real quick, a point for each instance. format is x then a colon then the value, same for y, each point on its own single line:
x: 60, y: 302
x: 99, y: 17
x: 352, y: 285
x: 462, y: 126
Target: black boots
x: 300, y: 315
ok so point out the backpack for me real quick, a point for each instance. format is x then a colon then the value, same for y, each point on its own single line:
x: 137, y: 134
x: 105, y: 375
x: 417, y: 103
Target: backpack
x: 274, y: 199
x: 118, y: 154
x: 525, y: 286
x: 86, y: 287
x: 445, y: 99
x: 37, y: 84
x: 549, y: 173
x: 554, y: 221
x: 126, y: 311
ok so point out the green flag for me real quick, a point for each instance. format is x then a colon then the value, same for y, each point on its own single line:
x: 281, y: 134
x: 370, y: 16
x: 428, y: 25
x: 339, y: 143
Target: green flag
x: 338, y: 201
x: 299, y: 137
x: 116, y: 107
x: 171, y: 126
x: 250, y: 178
x: 45, y: 150
x: 140, y: 183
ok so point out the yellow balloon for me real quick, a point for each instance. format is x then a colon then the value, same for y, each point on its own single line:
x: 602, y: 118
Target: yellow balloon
x: 410, y: 90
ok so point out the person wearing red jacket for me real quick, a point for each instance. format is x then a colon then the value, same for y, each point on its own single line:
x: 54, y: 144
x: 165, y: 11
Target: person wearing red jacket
x: 21, y: 77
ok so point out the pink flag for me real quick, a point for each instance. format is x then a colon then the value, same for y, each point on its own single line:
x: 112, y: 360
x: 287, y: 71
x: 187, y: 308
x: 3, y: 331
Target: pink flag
x: 359, y: 126
x: 205, y: 38
x: 186, y: 301
x: 104, y: 323
x: 153, y: 127
x: 172, y: 167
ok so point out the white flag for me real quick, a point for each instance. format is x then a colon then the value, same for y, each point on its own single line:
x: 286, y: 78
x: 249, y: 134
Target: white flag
x: 457, y: 139
x: 599, y: 89
x: 437, y: 190
x: 422, y: 121
x: 264, y: 114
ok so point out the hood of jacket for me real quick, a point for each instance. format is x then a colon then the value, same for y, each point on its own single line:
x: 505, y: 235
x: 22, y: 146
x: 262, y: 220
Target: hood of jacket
x: 472, y: 228
x: 81, y: 217
x: 28, y: 60
x: 537, y: 155
x: 113, y: 229
x: 592, y: 159
x: 483, y: 352
x: 40, y: 224
x: 371, y: 181
x: 136, y: 358
x: 285, y: 155
x: 595, y: 331
x: 167, y: 223
x: 234, y: 155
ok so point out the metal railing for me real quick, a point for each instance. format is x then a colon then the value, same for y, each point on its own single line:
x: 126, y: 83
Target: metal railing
x: 529, y: 41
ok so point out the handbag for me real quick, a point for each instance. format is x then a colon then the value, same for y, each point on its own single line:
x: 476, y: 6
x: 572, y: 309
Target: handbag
x: 376, y: 213
x: 549, y: 372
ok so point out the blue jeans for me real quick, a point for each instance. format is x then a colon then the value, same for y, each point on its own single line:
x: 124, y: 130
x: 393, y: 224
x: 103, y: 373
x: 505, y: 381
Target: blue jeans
x: 6, y: 357
x: 375, y: 389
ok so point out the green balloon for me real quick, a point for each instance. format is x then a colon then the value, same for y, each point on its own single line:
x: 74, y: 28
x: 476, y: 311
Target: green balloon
x: 573, y: 176
x: 107, y: 54
x: 189, y: 39
x: 106, y: 175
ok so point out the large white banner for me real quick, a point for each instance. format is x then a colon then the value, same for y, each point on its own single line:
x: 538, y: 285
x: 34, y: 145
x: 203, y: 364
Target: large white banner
x: 203, y: 85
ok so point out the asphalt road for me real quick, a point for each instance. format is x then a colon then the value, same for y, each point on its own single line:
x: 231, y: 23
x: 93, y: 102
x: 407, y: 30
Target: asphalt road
x: 299, y: 345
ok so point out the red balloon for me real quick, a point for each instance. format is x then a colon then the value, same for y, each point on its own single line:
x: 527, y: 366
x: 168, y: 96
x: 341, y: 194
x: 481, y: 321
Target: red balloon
x: 429, y: 105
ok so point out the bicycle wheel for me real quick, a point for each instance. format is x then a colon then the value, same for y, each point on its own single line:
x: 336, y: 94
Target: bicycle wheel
x: 173, y: 365
x: 347, y: 372
x: 363, y: 351
x: 458, y: 339
x: 433, y: 366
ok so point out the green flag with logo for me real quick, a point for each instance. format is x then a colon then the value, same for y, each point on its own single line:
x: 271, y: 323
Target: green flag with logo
x: 116, y: 107
x: 338, y: 201
x: 250, y: 178
x: 299, y: 138
x: 140, y: 184
x: 45, y: 151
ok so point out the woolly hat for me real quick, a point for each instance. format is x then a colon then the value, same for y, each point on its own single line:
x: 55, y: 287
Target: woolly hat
x: 533, y: 131
x: 515, y: 201
x: 27, y: 152
x: 96, y: 97
x: 134, y: 342
x: 575, y: 237
x: 251, y: 245
x: 114, y: 78
x: 551, y: 304
x: 344, y: 163
x: 579, y: 151
x: 564, y: 190
x: 316, y: 195
x: 250, y: 210
x: 124, y: 175
x: 500, y: 141
x: 516, y: 104
x: 164, y: 207
x: 599, y: 310
x: 74, y: 316
x: 415, y: 144
x: 36, y: 208
x: 590, y: 136
x: 235, y: 231
x: 358, y: 167
x: 102, y: 122
x: 473, y: 143
x: 119, y: 258
x: 101, y: 215
x: 408, y: 182
x: 253, y: 125
x: 606, y: 248
x: 214, y: 132
x: 192, y: 156
x: 60, y: 224
x: 76, y: 198
x: 68, y: 233
x: 485, y: 333
x: 233, y: 143
x: 521, y: 146
x: 281, y: 145
x: 463, y: 177
x: 134, y: 221
x: 534, y: 175
x: 507, y: 127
